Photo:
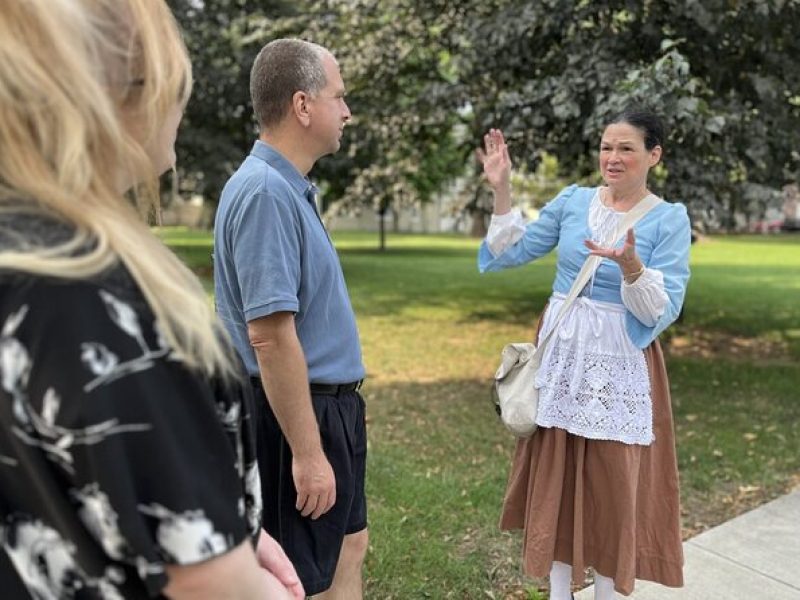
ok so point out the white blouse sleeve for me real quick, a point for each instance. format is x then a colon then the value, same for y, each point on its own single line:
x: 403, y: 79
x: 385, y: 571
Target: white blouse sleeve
x: 646, y: 297
x: 505, y: 231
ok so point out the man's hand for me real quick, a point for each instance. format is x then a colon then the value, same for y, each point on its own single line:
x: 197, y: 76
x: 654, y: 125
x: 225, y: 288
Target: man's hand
x: 315, y: 484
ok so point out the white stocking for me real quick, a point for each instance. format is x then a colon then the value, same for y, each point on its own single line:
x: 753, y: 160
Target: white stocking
x: 560, y: 581
x: 603, y: 587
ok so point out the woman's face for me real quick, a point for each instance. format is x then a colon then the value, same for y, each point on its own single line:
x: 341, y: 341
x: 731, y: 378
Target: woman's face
x: 624, y: 160
x: 161, y: 149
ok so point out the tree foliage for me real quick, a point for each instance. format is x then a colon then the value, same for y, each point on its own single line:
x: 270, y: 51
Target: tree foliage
x: 719, y: 71
x: 426, y: 78
x: 401, y: 145
x: 218, y: 126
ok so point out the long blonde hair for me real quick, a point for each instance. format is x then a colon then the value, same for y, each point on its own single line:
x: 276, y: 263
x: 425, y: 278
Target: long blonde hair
x: 85, y: 87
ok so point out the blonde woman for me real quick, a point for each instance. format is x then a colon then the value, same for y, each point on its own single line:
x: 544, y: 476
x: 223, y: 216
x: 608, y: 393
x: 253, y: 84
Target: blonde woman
x: 127, y: 461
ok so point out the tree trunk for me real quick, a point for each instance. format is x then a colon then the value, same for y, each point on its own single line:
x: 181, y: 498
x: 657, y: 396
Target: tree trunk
x: 382, y: 229
x: 479, y: 229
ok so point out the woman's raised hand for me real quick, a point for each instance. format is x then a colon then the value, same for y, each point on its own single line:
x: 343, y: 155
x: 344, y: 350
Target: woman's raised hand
x: 495, y: 160
x: 497, y: 169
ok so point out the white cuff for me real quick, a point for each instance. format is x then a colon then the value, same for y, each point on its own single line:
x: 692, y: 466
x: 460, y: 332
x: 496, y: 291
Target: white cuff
x: 645, y: 297
x: 505, y: 231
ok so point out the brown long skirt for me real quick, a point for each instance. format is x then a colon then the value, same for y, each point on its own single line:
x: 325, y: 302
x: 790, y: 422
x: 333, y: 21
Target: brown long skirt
x: 608, y: 505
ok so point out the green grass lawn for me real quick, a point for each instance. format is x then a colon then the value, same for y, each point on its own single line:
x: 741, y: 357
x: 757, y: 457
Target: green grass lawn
x: 432, y: 328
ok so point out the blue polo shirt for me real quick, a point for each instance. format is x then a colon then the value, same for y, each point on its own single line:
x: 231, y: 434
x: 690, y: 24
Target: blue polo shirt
x: 272, y: 254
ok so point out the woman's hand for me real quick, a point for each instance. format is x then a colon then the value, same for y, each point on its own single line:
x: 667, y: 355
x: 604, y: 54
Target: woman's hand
x: 495, y: 160
x: 626, y: 257
x: 497, y: 168
x: 272, y: 558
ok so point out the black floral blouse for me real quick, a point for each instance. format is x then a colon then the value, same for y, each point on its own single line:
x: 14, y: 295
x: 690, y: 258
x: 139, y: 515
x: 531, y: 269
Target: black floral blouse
x: 115, y: 459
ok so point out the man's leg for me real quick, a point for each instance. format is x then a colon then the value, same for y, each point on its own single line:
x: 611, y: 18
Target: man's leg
x: 348, y: 578
x: 347, y: 582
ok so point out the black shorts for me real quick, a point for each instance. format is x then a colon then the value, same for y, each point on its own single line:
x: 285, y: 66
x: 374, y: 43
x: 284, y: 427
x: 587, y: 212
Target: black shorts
x: 314, y: 546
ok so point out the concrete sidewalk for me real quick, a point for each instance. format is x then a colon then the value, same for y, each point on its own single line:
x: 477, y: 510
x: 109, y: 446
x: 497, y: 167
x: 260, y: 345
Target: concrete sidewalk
x: 755, y: 556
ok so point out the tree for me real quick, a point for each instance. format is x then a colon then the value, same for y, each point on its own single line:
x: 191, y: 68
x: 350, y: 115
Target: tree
x: 720, y: 71
x: 401, y: 147
x: 427, y: 78
x: 218, y: 126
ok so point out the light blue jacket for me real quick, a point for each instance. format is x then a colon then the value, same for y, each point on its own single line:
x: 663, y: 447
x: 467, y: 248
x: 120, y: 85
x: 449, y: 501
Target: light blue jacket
x: 663, y: 238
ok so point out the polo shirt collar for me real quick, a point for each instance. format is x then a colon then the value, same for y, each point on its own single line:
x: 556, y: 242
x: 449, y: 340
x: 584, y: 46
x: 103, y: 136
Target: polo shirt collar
x: 280, y: 163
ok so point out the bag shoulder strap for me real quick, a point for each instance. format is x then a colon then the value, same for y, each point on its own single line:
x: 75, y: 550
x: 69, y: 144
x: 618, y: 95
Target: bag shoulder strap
x: 590, y: 265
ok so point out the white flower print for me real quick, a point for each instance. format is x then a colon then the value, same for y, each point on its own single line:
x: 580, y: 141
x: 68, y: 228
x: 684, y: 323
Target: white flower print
x: 46, y: 563
x: 13, y: 321
x: 252, y: 487
x: 147, y: 569
x: 99, y: 359
x: 106, y: 585
x: 124, y: 317
x: 15, y: 365
x: 229, y: 414
x: 103, y: 363
x: 57, y: 442
x: 50, y: 406
x: 185, y: 538
x: 43, y: 559
x: 100, y: 519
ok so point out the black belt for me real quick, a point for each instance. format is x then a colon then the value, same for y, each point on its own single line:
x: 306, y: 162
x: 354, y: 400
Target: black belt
x: 325, y: 389
x: 334, y: 389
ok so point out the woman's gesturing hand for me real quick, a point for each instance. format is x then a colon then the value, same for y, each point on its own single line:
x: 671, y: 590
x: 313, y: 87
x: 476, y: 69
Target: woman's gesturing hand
x: 625, y: 257
x: 495, y: 160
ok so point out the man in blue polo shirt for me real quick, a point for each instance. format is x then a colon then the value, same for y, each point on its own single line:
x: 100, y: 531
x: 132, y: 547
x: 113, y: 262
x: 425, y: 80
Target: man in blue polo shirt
x: 281, y: 294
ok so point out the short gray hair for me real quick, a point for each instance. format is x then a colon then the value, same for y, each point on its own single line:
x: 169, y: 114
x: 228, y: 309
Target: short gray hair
x: 283, y: 67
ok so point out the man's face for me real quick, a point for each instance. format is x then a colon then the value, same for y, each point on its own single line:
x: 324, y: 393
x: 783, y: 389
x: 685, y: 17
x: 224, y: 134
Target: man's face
x: 329, y: 111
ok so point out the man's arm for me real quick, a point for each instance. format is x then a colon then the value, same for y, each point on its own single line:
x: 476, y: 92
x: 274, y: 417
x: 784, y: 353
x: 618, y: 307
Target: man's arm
x: 284, y: 376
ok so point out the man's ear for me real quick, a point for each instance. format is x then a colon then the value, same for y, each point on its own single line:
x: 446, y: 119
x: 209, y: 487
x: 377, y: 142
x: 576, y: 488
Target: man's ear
x: 301, y: 109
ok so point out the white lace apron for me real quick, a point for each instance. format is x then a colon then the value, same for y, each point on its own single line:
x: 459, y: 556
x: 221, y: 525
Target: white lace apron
x: 593, y: 381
